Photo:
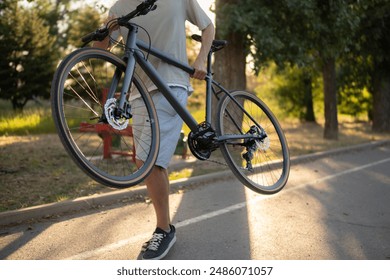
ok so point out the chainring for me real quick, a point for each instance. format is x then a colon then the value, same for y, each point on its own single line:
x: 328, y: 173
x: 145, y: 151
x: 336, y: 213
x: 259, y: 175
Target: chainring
x: 196, y: 151
x: 201, y: 143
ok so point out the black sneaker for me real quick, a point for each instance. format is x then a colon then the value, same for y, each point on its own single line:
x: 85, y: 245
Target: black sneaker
x: 159, y: 245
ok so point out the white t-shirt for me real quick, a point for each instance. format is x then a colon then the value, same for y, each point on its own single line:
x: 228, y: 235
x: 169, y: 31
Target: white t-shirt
x: 166, y: 27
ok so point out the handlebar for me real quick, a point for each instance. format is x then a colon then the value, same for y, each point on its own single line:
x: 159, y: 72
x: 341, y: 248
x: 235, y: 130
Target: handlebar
x: 101, y: 33
x: 97, y: 35
x: 141, y: 10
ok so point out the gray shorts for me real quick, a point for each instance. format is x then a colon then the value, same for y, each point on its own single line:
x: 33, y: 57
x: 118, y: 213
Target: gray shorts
x: 169, y: 121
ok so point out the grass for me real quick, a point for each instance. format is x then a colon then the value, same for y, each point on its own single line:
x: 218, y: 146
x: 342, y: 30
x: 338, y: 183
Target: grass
x: 182, y: 173
x: 36, y: 122
x: 35, y: 119
x: 36, y: 169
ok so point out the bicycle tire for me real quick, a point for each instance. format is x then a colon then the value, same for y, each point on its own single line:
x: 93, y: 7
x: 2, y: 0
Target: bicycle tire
x: 78, y: 99
x: 239, y: 112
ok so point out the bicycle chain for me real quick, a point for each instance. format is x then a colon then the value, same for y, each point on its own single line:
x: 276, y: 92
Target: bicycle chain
x: 217, y: 162
x: 223, y: 163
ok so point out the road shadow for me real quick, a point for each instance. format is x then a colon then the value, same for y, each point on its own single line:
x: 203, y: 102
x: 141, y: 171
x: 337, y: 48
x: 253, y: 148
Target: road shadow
x: 356, y: 209
x: 334, y: 208
x: 208, y: 229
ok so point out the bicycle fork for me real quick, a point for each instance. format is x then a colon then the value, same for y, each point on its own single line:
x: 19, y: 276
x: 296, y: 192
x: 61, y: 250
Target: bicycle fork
x: 118, y: 112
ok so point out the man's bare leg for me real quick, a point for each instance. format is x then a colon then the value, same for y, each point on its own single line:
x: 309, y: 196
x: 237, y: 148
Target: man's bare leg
x: 157, y: 184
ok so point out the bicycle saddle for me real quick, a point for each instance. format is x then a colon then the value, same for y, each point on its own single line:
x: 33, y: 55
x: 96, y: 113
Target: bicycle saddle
x: 216, y: 45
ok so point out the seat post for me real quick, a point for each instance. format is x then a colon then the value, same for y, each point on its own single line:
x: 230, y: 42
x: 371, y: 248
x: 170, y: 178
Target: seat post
x: 209, y: 62
x: 209, y: 81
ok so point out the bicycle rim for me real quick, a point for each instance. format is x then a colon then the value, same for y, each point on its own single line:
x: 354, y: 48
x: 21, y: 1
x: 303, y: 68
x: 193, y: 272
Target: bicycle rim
x: 103, y: 151
x: 270, y: 163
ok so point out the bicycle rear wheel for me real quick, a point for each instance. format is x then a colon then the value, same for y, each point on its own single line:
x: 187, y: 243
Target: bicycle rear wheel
x: 261, y: 163
x: 104, y: 150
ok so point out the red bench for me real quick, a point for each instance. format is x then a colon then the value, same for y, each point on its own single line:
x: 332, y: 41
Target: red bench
x: 109, y: 134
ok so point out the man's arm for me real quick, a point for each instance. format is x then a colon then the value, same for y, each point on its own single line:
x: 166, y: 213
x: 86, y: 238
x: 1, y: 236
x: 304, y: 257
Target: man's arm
x: 200, y: 63
x: 105, y: 44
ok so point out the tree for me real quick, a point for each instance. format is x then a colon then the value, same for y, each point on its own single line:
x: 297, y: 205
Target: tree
x: 337, y: 22
x: 27, y: 61
x: 353, y: 75
x: 33, y: 38
x: 374, y: 40
x: 298, y: 32
x: 365, y: 71
x: 295, y: 92
x: 86, y: 20
x: 55, y: 13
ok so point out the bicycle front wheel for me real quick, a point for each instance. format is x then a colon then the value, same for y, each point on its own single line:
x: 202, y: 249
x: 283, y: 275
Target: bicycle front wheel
x: 256, y: 149
x: 85, y: 88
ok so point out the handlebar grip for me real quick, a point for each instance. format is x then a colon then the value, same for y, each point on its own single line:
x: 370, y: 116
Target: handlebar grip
x: 97, y: 35
x: 102, y: 33
x: 196, y: 37
x: 88, y: 38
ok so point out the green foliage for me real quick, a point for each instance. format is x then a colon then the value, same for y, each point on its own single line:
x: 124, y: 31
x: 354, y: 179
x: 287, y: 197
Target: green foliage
x: 284, y: 91
x: 293, y: 84
x: 33, y: 37
x: 369, y: 58
x: 81, y: 22
x: 27, y: 61
x: 354, y: 80
x: 373, y: 34
x: 55, y: 13
x: 355, y: 102
x: 293, y: 31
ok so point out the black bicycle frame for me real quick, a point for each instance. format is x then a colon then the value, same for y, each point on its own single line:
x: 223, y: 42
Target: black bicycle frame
x: 134, y: 55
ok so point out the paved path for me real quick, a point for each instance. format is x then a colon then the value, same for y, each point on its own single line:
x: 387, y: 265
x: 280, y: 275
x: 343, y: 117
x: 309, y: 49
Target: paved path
x: 335, y: 207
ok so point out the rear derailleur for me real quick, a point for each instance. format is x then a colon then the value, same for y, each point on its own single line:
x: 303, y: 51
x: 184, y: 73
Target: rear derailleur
x: 260, y: 141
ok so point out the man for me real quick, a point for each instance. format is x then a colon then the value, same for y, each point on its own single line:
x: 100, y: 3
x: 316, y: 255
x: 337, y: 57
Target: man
x: 166, y: 28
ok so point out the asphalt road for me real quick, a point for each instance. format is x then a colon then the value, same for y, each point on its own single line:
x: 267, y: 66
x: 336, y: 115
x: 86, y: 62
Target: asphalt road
x: 332, y: 208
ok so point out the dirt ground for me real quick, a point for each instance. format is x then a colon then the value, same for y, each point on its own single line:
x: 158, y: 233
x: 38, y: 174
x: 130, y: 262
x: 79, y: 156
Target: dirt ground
x: 35, y: 170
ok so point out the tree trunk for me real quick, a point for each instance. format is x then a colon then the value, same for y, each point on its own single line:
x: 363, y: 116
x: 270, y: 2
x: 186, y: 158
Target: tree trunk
x: 381, y: 101
x: 330, y: 99
x: 230, y: 63
x: 18, y: 105
x: 309, y: 115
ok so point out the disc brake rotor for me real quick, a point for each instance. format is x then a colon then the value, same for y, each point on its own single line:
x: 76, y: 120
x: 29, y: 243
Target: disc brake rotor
x: 117, y: 122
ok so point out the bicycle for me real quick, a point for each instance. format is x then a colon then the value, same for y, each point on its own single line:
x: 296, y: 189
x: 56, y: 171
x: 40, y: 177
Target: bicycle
x: 91, y: 109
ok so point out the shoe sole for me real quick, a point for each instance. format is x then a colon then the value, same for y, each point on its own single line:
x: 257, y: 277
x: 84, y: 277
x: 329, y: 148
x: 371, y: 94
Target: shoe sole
x: 165, y: 252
